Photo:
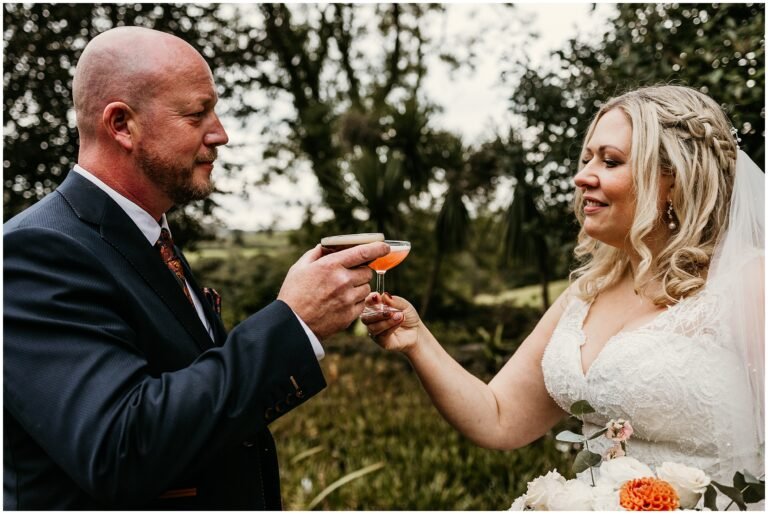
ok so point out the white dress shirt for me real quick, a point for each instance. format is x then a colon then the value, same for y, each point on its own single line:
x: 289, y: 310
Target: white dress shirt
x: 151, y: 230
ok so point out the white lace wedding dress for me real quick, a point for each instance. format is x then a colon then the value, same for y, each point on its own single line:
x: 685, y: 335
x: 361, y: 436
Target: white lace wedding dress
x: 674, y: 378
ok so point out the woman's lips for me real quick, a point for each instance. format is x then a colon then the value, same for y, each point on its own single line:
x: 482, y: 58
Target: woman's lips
x: 593, y: 206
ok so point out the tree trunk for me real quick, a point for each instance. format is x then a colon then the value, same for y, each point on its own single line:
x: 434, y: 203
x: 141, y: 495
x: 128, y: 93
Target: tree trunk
x: 431, y: 285
x: 543, y: 271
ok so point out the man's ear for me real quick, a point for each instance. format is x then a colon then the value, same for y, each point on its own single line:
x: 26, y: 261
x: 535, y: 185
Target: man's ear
x: 120, y: 124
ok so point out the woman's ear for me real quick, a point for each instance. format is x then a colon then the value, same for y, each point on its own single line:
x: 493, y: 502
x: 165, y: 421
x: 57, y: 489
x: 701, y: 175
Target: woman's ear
x: 119, y: 122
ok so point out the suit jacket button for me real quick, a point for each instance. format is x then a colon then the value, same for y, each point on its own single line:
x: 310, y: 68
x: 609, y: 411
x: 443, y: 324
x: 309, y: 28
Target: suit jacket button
x: 268, y: 413
x: 248, y: 443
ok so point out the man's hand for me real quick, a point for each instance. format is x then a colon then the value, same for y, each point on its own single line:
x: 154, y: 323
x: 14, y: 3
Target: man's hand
x: 328, y: 292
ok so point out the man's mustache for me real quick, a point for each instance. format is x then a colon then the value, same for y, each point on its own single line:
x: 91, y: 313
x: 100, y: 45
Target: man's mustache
x: 209, y: 157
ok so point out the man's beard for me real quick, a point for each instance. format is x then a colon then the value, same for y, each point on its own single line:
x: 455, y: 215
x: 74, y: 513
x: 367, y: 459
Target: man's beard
x: 173, y: 179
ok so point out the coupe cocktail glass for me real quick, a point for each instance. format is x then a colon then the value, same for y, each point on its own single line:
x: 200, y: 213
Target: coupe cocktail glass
x: 398, y: 251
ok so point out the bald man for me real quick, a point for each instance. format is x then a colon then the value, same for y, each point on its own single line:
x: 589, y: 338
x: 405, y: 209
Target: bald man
x: 121, y: 387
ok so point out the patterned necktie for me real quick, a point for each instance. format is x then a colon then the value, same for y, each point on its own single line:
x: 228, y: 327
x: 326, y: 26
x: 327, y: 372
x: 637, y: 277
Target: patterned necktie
x: 165, y: 246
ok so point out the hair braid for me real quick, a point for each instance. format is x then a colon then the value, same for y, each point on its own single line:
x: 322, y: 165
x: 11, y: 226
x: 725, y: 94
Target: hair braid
x: 702, y: 127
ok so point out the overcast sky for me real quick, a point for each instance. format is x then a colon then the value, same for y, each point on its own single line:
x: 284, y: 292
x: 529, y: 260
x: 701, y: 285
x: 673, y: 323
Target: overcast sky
x: 475, y: 105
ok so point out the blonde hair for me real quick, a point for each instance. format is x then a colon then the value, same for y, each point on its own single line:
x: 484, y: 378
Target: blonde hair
x: 675, y: 130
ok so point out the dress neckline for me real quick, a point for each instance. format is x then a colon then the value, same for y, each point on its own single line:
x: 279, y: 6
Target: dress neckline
x: 587, y: 306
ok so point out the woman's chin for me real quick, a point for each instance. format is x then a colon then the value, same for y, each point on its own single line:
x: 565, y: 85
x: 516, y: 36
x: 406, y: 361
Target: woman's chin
x: 592, y: 230
x: 601, y: 235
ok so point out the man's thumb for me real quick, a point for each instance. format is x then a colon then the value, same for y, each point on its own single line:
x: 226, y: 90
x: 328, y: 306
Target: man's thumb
x: 311, y: 255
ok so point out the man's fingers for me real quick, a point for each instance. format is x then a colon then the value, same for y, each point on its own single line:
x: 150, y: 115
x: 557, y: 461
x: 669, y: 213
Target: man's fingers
x: 361, y: 275
x: 361, y: 292
x: 311, y: 255
x: 360, y: 254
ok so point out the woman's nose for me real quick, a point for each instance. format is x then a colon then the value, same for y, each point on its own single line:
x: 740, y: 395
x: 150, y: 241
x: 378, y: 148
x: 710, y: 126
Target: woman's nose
x: 585, y: 178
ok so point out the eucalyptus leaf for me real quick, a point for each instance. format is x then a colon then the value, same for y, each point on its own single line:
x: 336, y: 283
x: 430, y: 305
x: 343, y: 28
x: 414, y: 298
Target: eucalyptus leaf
x: 732, y: 493
x: 752, y: 492
x: 710, y: 497
x: 581, y: 407
x: 598, y: 433
x: 570, y: 437
x: 585, y: 459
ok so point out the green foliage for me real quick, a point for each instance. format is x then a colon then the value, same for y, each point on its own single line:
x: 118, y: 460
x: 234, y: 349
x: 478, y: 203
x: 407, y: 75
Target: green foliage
x: 42, y: 45
x: 570, y: 437
x: 746, y: 489
x: 581, y: 408
x: 731, y: 492
x: 752, y: 488
x: 717, y: 48
x: 247, y: 277
x: 585, y: 460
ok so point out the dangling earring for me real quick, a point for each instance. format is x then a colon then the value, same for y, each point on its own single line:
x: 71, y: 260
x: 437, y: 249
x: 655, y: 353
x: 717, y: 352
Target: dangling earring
x: 671, y: 215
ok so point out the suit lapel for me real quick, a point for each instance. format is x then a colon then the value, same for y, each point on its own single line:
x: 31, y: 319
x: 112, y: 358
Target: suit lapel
x: 121, y: 233
x: 219, y: 332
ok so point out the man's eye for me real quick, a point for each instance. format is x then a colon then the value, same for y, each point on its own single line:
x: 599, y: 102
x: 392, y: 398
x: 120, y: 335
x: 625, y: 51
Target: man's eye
x: 198, y: 114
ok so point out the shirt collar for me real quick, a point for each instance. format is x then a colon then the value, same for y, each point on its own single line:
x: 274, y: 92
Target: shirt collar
x: 141, y: 218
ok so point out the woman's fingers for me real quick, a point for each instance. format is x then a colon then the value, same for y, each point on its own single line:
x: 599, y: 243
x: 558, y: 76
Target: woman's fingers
x: 379, y: 321
x: 395, y: 301
x: 372, y: 299
x: 378, y: 328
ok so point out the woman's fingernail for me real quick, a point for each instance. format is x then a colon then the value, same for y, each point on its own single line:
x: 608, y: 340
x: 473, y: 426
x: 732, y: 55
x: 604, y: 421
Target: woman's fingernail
x: 375, y: 297
x: 397, y: 316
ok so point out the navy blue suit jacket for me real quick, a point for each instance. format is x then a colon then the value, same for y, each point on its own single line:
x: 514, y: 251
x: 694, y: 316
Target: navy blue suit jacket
x: 114, y: 394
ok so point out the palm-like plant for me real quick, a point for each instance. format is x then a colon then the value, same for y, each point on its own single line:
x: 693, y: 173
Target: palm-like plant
x: 524, y: 240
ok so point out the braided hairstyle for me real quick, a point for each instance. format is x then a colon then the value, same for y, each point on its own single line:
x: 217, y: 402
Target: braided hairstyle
x: 680, y: 131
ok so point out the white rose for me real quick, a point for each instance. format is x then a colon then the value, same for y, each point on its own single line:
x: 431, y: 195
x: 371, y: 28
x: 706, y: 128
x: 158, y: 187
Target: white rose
x: 690, y: 483
x: 606, y: 498
x: 574, y: 495
x: 519, y: 503
x: 614, y: 472
x: 541, y: 490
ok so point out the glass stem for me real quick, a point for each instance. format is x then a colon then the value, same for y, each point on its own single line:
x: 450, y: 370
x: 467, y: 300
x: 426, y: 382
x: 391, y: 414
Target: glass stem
x: 380, y: 282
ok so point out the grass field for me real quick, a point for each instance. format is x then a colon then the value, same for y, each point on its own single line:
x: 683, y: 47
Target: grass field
x: 375, y: 419
x: 528, y: 296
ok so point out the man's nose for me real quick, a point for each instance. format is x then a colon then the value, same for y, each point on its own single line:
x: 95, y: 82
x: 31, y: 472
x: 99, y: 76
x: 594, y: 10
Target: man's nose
x: 216, y: 136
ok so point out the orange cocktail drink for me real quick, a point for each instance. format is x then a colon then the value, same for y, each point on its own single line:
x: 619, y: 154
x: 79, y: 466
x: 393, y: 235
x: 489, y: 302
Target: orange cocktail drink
x: 392, y: 259
x: 398, y: 250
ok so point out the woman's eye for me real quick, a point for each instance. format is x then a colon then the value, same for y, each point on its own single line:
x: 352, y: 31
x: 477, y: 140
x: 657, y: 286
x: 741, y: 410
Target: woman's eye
x: 610, y: 163
x: 585, y: 161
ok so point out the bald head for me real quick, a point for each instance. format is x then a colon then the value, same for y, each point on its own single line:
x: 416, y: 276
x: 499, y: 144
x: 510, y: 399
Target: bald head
x: 126, y: 64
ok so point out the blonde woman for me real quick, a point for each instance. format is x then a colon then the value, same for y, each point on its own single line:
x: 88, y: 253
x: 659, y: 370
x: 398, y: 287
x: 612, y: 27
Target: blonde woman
x: 662, y: 323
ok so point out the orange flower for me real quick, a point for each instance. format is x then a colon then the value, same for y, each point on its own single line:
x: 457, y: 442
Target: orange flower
x: 648, y: 494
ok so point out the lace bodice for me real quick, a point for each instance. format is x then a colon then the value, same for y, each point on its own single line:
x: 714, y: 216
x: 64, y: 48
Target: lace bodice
x: 674, y: 378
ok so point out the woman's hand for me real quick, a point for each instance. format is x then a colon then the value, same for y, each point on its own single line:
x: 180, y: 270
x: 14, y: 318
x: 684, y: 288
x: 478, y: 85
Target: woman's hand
x: 396, y: 331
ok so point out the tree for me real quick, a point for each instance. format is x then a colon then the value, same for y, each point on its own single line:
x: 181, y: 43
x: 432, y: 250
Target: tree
x: 348, y: 110
x: 42, y: 45
x: 452, y: 225
x: 718, y: 48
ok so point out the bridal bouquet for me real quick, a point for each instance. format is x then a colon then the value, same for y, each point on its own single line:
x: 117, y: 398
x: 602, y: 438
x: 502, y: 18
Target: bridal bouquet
x: 628, y: 484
